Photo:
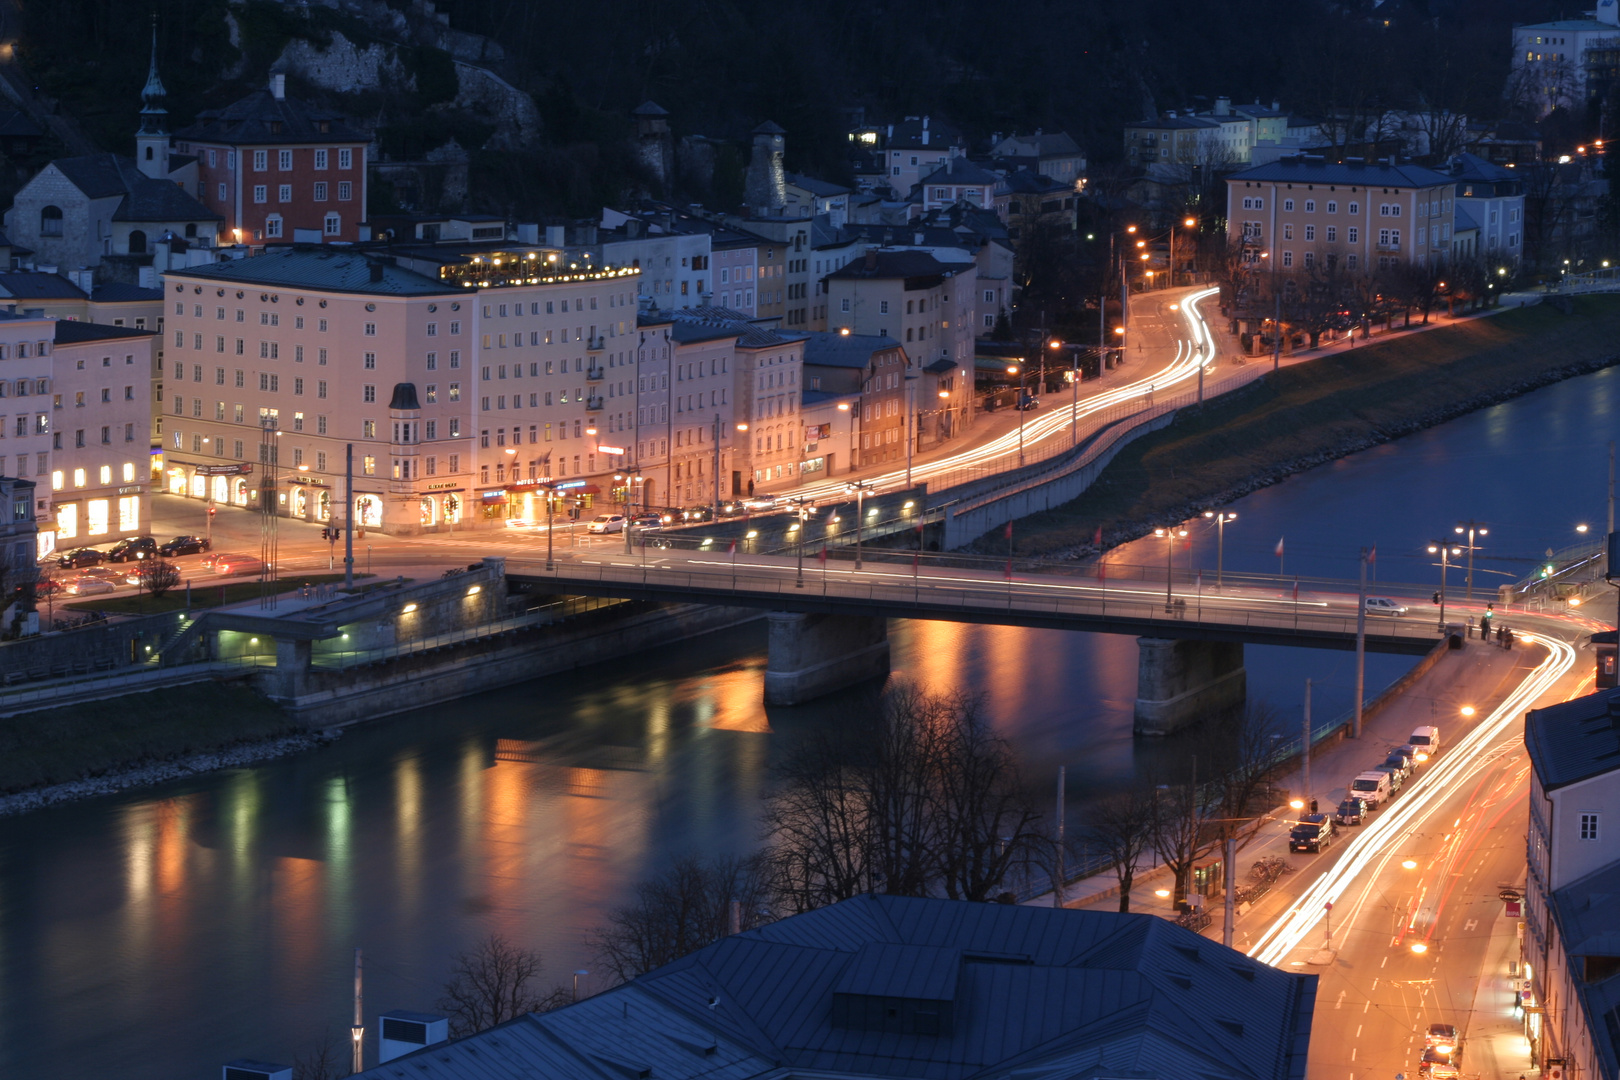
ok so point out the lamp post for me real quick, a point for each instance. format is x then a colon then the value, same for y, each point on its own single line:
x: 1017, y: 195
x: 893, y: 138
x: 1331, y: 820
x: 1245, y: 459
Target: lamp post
x: 1170, y: 274
x: 859, y: 488
x: 1471, y: 529
x: 911, y: 420
x: 803, y: 508
x: 1170, y: 536
x: 1220, y: 517
x: 551, y: 497
x: 1018, y: 403
x: 1444, y: 551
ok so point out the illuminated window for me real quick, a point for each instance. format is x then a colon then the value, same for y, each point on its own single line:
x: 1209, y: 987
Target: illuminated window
x: 96, y: 518
x: 78, y: 478
x: 129, y: 472
x: 129, y: 513
x: 67, y: 521
x: 56, y: 480
x: 106, y: 474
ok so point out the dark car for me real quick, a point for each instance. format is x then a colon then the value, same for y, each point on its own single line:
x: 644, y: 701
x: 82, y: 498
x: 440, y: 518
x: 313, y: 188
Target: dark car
x: 78, y: 557
x: 184, y: 545
x: 136, y: 547
x: 1027, y: 403
x: 1350, y: 812
x: 698, y: 513
x: 1313, y: 833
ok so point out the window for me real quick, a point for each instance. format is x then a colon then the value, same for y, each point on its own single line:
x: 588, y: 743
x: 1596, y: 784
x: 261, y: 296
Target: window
x: 1288, y: 259
x: 1589, y: 826
x: 320, y: 191
x: 260, y: 193
x: 1332, y: 207
x: 320, y: 388
x: 368, y: 393
x: 284, y: 193
x: 332, y: 225
x: 1352, y: 234
x: 1288, y: 204
x: 1354, y: 209
x: 261, y: 160
x: 344, y: 190
x: 1310, y: 206
x: 1288, y: 232
x: 345, y: 158
x: 1310, y: 232
x: 368, y: 429
x: 1332, y: 233
x: 284, y: 160
x: 272, y: 226
x: 369, y: 465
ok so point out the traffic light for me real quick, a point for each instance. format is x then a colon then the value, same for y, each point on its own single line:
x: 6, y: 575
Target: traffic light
x: 211, y: 511
x: 1435, y: 599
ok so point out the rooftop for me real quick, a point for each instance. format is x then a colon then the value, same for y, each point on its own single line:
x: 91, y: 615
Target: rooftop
x: 145, y: 198
x: 1574, y: 740
x: 1316, y: 170
x: 959, y: 170
x: 33, y: 285
x: 69, y: 332
x: 261, y: 118
x: 897, y: 264
x: 962, y: 990
x: 844, y: 350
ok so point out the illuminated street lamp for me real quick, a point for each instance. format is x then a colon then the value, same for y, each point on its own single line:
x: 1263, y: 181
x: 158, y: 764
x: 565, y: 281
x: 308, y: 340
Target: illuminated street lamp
x: 802, y: 509
x: 1472, y: 529
x: 1444, y: 551
x: 1170, y: 536
x: 1018, y: 403
x: 1221, y: 518
x: 858, y: 488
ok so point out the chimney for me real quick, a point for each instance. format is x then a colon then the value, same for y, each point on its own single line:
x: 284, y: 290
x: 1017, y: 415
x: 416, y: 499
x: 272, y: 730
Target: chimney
x: 1276, y: 106
x: 1223, y: 106
x: 278, y: 86
x: 918, y: 237
x: 925, y: 131
x: 376, y: 269
x: 556, y: 236
x: 871, y: 260
x: 1171, y: 113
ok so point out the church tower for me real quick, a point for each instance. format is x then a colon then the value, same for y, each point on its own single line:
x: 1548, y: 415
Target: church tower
x: 152, y: 141
x: 765, y: 183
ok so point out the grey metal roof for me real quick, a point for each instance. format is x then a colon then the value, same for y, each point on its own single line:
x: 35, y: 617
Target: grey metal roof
x: 1588, y: 915
x: 1466, y: 166
x: 1052, y: 994
x: 261, y: 118
x: 826, y: 189
x: 722, y: 322
x: 326, y: 267
x: 1315, y: 170
x: 145, y: 198
x: 1462, y: 220
x: 72, y: 332
x: 1574, y: 740
x: 34, y: 285
x: 844, y: 350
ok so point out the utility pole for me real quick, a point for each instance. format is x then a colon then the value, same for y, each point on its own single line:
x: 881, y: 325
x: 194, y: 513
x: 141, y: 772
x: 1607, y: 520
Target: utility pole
x: 1062, y: 807
x: 348, y: 517
x: 1471, y: 528
x: 1361, y: 647
x: 717, y: 467
x: 911, y: 422
x: 357, y: 1033
x: 1276, y: 325
x: 1231, y: 891
x: 1611, y: 485
x: 1305, y: 746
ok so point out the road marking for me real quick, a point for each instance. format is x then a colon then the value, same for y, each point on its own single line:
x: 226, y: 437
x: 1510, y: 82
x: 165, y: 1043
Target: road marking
x: 1366, y: 1007
x: 1358, y: 1030
x: 1352, y: 1049
x: 1340, y: 1003
x: 1386, y: 960
x: 1470, y: 924
x: 1374, y: 985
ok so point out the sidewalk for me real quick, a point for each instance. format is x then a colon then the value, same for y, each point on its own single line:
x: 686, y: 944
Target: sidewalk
x: 1494, y: 1043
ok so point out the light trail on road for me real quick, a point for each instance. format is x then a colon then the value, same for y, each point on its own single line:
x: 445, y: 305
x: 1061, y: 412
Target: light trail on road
x: 1191, y: 353
x: 1377, y: 841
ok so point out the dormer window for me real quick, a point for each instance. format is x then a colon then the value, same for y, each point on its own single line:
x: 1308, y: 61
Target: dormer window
x: 275, y: 127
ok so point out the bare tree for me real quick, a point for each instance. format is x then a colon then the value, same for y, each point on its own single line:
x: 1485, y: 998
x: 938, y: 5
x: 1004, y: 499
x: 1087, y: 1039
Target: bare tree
x: 1237, y: 751
x: 158, y: 576
x: 986, y: 819
x: 327, y: 1060
x: 1122, y: 826
x: 817, y: 824
x: 494, y: 983
x: 688, y: 906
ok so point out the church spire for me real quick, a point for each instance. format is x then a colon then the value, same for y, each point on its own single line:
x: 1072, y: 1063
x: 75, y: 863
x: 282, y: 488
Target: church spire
x: 154, y: 117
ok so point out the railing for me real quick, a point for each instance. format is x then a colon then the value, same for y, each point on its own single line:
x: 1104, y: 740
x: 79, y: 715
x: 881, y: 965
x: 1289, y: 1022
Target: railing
x: 593, y: 403
x: 1606, y: 280
x: 595, y: 374
x: 594, y: 344
x: 900, y: 592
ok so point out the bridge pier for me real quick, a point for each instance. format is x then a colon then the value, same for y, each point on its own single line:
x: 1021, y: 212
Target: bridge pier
x: 812, y: 655
x: 1178, y: 682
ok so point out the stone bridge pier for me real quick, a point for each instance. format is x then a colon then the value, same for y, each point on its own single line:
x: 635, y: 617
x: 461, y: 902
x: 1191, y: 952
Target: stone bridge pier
x: 812, y: 655
x: 1178, y: 682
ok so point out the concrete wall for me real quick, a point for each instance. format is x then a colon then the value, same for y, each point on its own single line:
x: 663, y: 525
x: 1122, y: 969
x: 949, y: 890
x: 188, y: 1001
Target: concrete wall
x: 331, y: 699
x: 1181, y: 682
x: 813, y: 655
x: 107, y: 646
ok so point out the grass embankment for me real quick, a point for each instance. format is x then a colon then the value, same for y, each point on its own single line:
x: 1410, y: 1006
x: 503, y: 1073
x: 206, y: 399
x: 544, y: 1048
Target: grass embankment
x: 207, y: 595
x: 1306, y: 415
x: 76, y: 742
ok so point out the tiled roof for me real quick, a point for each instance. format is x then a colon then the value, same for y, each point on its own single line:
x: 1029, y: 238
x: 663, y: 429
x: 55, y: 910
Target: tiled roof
x: 844, y: 350
x: 328, y: 268
x: 705, y: 323
x: 1025, y: 182
x: 1574, y: 740
x: 145, y: 198
x: 1315, y: 170
x: 261, y: 118
x: 1056, y: 994
x: 959, y: 170
x: 908, y: 135
x: 899, y: 264
x: 32, y: 285
x: 70, y: 332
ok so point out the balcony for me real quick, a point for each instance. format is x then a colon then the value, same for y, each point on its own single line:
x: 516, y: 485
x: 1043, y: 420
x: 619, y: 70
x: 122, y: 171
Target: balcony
x: 595, y: 374
x: 594, y: 344
x: 593, y: 403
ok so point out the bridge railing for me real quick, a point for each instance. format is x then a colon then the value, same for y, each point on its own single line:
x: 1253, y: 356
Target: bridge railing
x: 894, y: 590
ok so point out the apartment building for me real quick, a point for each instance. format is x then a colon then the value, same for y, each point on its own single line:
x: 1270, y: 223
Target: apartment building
x: 74, y: 399
x: 1571, y: 940
x: 279, y: 169
x: 1565, y: 63
x: 507, y: 351
x: 843, y: 387
x: 923, y: 302
x: 670, y: 247
x: 915, y: 147
x: 704, y: 440
x: 1355, y: 215
x: 1494, y: 198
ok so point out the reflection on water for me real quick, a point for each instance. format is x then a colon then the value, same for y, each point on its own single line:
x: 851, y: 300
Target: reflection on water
x: 165, y: 931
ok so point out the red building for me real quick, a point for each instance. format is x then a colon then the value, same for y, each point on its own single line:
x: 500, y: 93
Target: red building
x: 278, y: 169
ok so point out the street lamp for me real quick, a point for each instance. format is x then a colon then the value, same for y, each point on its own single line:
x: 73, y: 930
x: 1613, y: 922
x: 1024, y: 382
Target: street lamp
x: 1444, y: 551
x: 1018, y: 403
x: 859, y: 488
x: 1220, y: 518
x: 1472, y: 529
x: 1170, y: 536
x: 803, y: 508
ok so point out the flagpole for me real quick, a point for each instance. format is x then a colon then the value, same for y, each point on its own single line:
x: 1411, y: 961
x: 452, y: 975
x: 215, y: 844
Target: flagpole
x: 1361, y: 646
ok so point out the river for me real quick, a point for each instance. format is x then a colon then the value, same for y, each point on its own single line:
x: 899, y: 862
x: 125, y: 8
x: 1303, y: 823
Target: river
x: 159, y: 933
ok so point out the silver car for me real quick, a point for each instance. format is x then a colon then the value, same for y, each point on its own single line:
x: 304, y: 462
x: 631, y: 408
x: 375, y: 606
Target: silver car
x: 1383, y: 605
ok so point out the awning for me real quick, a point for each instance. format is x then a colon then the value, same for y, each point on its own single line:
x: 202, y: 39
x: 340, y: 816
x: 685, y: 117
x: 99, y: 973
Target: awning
x: 578, y: 487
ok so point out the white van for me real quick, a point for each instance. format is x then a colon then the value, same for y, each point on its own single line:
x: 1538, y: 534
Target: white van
x: 1371, y: 788
x: 1426, y: 741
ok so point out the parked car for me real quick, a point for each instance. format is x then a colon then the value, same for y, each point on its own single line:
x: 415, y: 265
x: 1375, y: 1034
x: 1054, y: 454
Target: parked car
x: 1028, y: 403
x: 1426, y: 741
x: 1372, y: 788
x: 607, y: 523
x: 1396, y: 776
x: 1351, y: 811
x: 698, y: 513
x: 233, y: 563
x: 1313, y: 833
x: 1383, y: 605
x: 132, y: 549
x: 761, y: 502
x: 1437, y: 1066
x: 72, y: 560
x: 1401, y: 758
x: 86, y: 586
x: 184, y: 545
x: 648, y: 521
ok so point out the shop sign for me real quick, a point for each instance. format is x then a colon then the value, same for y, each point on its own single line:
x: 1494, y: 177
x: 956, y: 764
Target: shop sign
x: 491, y: 496
x: 444, y: 485
x: 133, y: 489
x: 603, y: 448
x: 570, y: 484
x: 243, y: 469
